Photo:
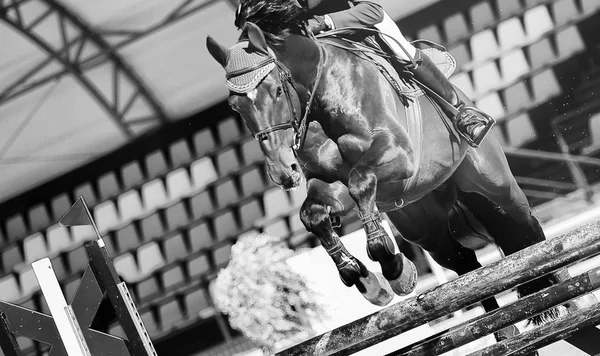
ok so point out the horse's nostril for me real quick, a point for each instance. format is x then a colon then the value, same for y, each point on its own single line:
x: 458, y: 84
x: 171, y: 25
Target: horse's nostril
x: 295, y: 167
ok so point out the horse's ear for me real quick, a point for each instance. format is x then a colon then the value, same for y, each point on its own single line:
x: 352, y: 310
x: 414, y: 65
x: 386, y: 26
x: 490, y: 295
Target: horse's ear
x: 257, y: 39
x: 219, y: 53
x: 297, y: 3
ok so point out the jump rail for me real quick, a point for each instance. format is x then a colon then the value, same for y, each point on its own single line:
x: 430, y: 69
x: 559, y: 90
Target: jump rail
x: 518, y: 268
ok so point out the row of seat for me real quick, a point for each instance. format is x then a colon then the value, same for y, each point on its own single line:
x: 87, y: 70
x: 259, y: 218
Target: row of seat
x: 134, y: 175
x: 513, y: 66
x: 513, y: 25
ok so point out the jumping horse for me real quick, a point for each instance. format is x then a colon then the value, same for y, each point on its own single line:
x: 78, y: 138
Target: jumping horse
x: 326, y: 114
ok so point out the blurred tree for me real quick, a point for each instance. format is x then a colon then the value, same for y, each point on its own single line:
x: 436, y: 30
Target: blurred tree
x: 264, y: 297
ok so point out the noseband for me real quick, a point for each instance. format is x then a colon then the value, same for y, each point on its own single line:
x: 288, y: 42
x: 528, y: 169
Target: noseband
x: 294, y: 122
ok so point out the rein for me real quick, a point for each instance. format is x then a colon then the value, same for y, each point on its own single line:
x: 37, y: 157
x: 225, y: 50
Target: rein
x: 300, y: 126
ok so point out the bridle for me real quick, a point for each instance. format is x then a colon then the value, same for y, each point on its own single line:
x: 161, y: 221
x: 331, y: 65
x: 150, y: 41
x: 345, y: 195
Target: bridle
x: 299, y: 125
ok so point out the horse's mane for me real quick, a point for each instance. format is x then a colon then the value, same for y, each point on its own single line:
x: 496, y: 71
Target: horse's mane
x: 276, y: 18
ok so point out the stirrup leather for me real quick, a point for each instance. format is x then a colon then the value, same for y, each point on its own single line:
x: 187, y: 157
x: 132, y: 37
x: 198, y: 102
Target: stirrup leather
x: 489, y: 122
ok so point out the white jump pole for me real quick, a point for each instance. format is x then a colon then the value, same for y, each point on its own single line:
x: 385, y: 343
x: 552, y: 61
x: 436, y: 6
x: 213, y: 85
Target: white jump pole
x: 64, y: 318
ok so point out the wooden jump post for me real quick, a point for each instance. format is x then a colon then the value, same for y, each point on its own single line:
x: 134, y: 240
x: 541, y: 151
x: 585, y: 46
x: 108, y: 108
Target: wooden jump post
x: 518, y: 268
x: 67, y: 330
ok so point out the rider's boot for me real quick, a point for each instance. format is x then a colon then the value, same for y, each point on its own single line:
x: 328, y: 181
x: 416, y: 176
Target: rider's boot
x: 471, y: 123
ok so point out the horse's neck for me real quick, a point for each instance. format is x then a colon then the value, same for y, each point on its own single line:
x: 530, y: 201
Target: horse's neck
x: 301, y: 55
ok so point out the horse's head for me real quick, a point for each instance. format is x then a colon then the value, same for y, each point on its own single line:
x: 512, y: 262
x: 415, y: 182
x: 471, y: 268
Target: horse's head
x: 263, y: 93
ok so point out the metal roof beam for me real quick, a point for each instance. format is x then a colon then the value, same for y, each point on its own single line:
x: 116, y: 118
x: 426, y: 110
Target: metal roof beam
x: 74, y: 65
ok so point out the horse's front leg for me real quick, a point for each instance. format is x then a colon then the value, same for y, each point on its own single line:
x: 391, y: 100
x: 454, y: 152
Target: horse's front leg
x: 323, y: 202
x: 383, y: 154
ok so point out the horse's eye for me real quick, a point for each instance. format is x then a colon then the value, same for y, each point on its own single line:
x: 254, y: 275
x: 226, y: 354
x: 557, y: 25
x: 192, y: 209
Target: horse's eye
x: 279, y: 91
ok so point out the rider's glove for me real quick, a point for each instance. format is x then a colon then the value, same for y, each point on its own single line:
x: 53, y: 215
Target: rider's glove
x: 318, y: 24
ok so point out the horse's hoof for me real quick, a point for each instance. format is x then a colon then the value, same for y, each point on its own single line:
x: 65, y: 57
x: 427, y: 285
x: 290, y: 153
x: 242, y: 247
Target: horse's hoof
x: 506, y: 333
x: 378, y: 289
x: 407, y: 282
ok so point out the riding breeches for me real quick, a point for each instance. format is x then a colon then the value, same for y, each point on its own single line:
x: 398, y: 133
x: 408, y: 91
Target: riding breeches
x: 389, y: 28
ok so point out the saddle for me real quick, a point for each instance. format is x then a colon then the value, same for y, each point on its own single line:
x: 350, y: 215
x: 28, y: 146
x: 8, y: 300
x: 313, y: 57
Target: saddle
x: 367, y: 44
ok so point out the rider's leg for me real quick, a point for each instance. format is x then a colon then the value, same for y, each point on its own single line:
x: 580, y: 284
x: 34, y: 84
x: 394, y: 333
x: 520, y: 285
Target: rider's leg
x: 470, y: 122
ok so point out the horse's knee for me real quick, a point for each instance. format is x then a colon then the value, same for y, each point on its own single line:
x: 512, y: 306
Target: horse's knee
x: 314, y: 216
x: 362, y: 184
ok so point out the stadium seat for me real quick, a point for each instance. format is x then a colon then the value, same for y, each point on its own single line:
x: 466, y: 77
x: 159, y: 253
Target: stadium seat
x: 492, y: 105
x: 508, y: 8
x: 511, y: 34
x: 226, y: 192
x: 537, y: 22
x: 221, y: 255
x: 463, y: 81
x: 176, y: 216
x: 175, y: 248
x: 58, y: 239
x: 545, y: 86
x: 455, y: 27
x: 198, y: 266
x: 251, y: 151
x: 200, y: 236
x: 225, y: 224
x: 60, y: 204
x: 180, y: 153
x: 430, y: 33
x: 594, y: 135
x: 156, y: 165
x: 204, y: 142
x: 154, y: 195
x: 34, y: 247
x: 38, y: 218
x: 130, y: 205
x: 482, y: 16
x: 517, y: 97
x: 520, y: 131
x: 126, y: 267
x: 108, y: 186
x: 60, y: 270
x: 252, y: 182
x: 513, y: 65
x: 486, y: 77
x: 149, y: 322
x: 179, y: 184
x: 77, y: 259
x: 152, y: 227
x: 196, y: 302
x: 132, y: 175
x: 532, y: 3
x: 9, y: 288
x: 276, y: 202
x: 27, y: 281
x: 15, y: 228
x: 296, y: 224
x: 85, y: 190
x: 203, y: 173
x: 170, y: 314
x: 298, y: 195
x: 106, y: 216
x: 127, y: 238
x: 227, y: 161
x: 484, y: 45
x: 540, y: 54
x: 569, y: 42
x: 277, y: 228
x: 147, y: 288
x: 461, y: 54
x: 589, y: 6
x: 149, y: 258
x: 250, y: 212
x: 81, y: 234
x: 172, y: 277
x: 229, y: 131
x: 564, y: 11
x: 11, y: 257
x: 202, y: 204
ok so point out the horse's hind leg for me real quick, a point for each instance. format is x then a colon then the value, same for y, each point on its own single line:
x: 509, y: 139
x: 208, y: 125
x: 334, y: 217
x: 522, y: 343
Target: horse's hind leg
x: 323, y: 202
